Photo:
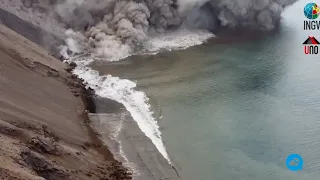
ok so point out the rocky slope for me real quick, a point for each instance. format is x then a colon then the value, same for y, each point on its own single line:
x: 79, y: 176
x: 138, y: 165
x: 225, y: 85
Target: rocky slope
x: 44, y: 130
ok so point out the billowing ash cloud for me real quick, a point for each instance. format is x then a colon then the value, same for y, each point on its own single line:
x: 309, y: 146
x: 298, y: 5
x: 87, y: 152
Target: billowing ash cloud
x: 122, y: 25
x: 256, y: 14
x: 118, y: 24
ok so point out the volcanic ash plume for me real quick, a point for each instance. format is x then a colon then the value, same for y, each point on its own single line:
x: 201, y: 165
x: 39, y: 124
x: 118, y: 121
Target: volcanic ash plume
x: 254, y: 14
x: 115, y: 27
x: 123, y: 25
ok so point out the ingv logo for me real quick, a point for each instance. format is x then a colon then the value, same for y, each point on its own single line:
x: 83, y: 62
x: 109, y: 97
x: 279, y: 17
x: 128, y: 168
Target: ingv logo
x: 311, y: 11
x: 311, y: 45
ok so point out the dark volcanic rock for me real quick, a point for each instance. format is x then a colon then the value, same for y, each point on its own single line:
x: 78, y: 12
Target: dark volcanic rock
x: 43, y: 167
x: 44, y: 145
x: 52, y: 73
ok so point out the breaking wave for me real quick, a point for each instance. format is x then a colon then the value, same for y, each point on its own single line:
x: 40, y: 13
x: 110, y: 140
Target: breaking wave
x: 180, y: 39
x: 136, y: 102
x: 123, y: 90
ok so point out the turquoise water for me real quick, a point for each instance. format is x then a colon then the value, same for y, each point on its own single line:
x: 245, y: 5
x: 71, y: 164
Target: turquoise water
x: 237, y: 110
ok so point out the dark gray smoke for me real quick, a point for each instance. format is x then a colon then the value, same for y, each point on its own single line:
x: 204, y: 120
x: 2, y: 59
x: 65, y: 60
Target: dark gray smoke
x: 118, y: 24
x: 114, y: 26
x: 122, y: 25
x: 161, y: 14
x: 253, y: 14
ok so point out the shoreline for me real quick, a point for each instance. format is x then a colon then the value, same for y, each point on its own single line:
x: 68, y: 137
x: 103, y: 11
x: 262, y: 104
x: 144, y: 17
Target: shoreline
x: 94, y: 136
x: 160, y: 167
x: 129, y: 144
x: 43, y: 114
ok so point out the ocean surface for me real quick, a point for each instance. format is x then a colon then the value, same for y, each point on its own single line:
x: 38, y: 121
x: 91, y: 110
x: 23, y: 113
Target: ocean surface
x: 235, y: 110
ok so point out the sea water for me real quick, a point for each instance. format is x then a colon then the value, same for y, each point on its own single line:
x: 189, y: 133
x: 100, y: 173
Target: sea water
x: 233, y: 110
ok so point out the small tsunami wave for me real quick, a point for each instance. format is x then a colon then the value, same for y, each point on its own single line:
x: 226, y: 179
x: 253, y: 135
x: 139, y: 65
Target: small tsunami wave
x: 180, y: 39
x: 123, y: 90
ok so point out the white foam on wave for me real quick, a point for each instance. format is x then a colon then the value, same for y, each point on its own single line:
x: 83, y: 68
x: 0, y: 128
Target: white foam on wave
x: 123, y: 90
x: 180, y: 39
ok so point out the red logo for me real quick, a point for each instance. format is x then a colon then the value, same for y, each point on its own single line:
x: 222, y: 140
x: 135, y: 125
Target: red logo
x: 311, y: 45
